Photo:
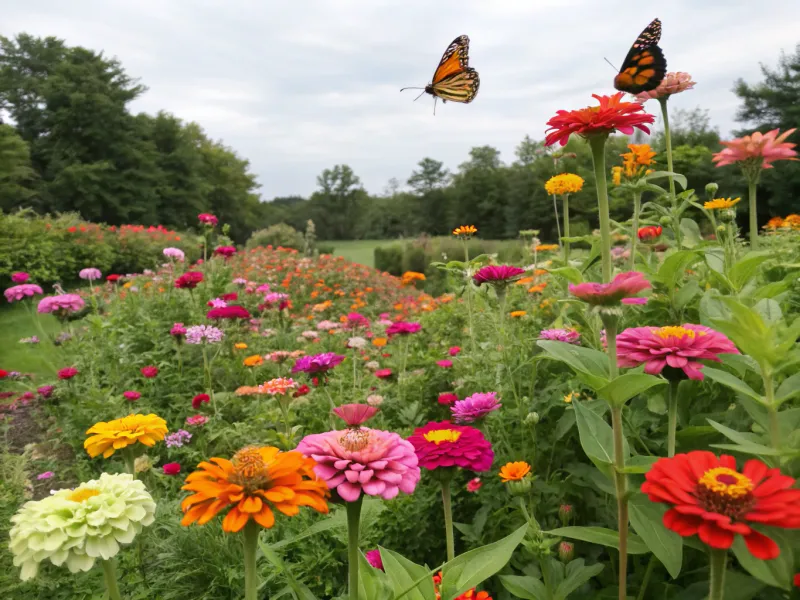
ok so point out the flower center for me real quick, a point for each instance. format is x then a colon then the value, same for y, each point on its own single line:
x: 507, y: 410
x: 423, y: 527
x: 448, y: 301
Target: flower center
x: 437, y: 436
x: 677, y: 332
x: 724, y: 491
x: 83, y: 495
x: 354, y: 439
x: 250, y: 470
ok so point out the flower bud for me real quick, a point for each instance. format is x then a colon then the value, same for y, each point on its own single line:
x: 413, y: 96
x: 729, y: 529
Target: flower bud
x: 665, y: 220
x: 521, y: 486
x: 727, y: 215
x: 711, y: 190
x: 566, y: 552
x: 565, y: 514
x: 721, y: 228
x: 532, y: 418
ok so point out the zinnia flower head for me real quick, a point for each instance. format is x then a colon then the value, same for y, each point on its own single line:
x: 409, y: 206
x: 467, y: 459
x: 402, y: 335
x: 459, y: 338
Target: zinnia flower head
x: 475, y: 407
x: 650, y: 232
x: 279, y: 386
x: 20, y: 277
x: 189, y: 280
x: 199, y: 399
x: 514, y: 471
x: 403, y: 328
x: 226, y: 251
x: 445, y: 444
x: 131, y: 395
x: 678, y: 349
x: 673, y: 83
x: 355, y: 414
x: 76, y: 527
x: 756, y: 151
x: 444, y: 364
x: 565, y: 183
x: 474, y: 484
x: 208, y: 219
x: 178, y: 330
x: 721, y: 203
x: 234, y: 311
x: 90, y: 273
x: 447, y: 398
x: 197, y: 334
x: 355, y: 320
x: 172, y: 468
x: 62, y: 304
x: 251, y: 484
x: 175, y: 253
x: 149, y: 371
x: 197, y: 420
x: 497, y: 274
x: 67, y: 373
x: 611, y: 115
x: 465, y: 231
x: 570, y: 336
x: 623, y: 288
x: 317, y: 363
x: 710, y: 498
x: 120, y: 433
x: 375, y: 462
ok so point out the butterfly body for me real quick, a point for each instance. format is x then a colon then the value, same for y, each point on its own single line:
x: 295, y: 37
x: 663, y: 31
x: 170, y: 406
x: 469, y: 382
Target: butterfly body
x: 645, y: 66
x: 453, y: 78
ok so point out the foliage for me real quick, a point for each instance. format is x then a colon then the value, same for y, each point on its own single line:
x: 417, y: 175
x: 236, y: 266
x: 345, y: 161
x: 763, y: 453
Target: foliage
x: 282, y: 235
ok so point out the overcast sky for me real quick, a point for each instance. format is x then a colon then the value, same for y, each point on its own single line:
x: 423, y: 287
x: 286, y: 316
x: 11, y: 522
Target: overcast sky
x: 297, y: 86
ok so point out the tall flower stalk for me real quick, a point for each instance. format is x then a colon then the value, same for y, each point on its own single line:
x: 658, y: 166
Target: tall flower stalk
x: 598, y: 143
x: 563, y: 185
x: 637, y: 207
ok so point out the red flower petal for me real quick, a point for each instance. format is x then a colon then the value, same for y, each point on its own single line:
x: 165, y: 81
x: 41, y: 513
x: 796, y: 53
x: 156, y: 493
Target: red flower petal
x: 761, y: 546
x: 714, y: 536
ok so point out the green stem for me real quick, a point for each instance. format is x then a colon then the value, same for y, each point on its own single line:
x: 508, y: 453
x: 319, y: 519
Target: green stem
x: 637, y: 205
x: 651, y: 565
x: 207, y: 374
x: 251, y: 531
x: 716, y: 567
x: 672, y: 416
x: 565, y: 206
x: 597, y: 144
x: 284, y: 404
x: 676, y: 226
x: 558, y: 225
x: 110, y: 578
x: 751, y: 193
x: 130, y: 461
x: 448, y: 519
x: 353, y: 518
x: 772, y: 410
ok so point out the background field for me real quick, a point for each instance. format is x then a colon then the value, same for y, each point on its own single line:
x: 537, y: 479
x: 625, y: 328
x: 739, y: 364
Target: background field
x: 358, y: 251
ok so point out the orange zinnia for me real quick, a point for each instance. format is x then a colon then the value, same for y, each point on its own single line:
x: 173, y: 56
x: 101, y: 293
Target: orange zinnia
x: 253, y: 361
x: 254, y: 482
x: 379, y: 342
x: 514, y: 471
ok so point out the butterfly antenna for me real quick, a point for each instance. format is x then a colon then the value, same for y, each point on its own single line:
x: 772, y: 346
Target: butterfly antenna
x: 411, y: 88
x: 609, y: 62
x: 435, y: 99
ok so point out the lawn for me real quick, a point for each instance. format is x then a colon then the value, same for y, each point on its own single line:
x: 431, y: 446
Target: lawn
x: 16, y: 323
x: 358, y: 251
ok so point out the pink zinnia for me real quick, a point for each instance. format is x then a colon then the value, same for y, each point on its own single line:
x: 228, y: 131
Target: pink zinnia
x: 673, y: 83
x: 560, y: 335
x: 18, y: 292
x: 149, y: 371
x: 63, y: 303
x: 355, y: 414
x: 355, y: 320
x: 475, y: 407
x: 473, y: 485
x: 498, y: 274
x: 374, y: 558
x: 233, y: 311
x: 403, y: 328
x: 375, y: 462
x: 131, y: 395
x: 758, y: 149
x: 197, y: 420
x: 207, y: 219
x: 171, y: 468
x: 678, y: 348
x: 623, y: 289
x: 226, y: 251
x: 447, y: 398
x: 383, y: 373
x: 178, y: 330
x: 445, y: 364
x: 318, y: 363
x: 67, y: 373
x: 454, y: 350
x: 445, y: 444
x: 20, y: 277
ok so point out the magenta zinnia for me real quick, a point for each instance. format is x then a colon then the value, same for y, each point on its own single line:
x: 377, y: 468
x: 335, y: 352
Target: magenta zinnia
x: 623, y: 288
x: 475, y: 407
x: 228, y: 312
x: 497, y: 274
x: 445, y: 444
x: 672, y: 348
x: 318, y: 363
x: 402, y: 328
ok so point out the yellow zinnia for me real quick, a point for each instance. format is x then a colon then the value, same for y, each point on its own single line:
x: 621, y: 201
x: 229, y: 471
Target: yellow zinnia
x: 120, y: 433
x: 565, y: 183
x: 721, y: 203
x: 465, y: 231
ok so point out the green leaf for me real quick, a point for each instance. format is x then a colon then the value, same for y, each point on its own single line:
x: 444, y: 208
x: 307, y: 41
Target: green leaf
x: 674, y: 267
x: 777, y: 572
x: 571, y: 274
x: 565, y: 424
x: 597, y: 437
x: 526, y: 588
x: 686, y: 294
x: 679, y: 178
x: 647, y: 519
x: 788, y: 389
x: 575, y: 575
x: 769, y: 310
x: 746, y: 267
x: 590, y: 364
x: 406, y: 576
x: 623, y: 388
x: 638, y: 465
x: 371, y: 581
x: 746, y: 329
x: 733, y: 382
x: 602, y: 536
x: 299, y: 589
x: 472, y: 568
x: 739, y: 586
x: 691, y: 233
x: 742, y: 439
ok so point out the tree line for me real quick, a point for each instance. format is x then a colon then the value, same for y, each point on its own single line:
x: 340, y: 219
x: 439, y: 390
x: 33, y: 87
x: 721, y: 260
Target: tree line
x: 72, y: 144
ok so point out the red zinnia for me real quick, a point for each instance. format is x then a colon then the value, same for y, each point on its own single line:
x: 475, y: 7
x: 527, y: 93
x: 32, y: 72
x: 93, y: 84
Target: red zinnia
x: 3, y: 374
x: 113, y: 278
x: 650, y: 232
x: 149, y: 372
x: 612, y: 115
x: 383, y: 373
x: 231, y: 297
x: 67, y: 373
x: 189, y: 280
x: 199, y: 399
x: 171, y: 468
x: 447, y: 398
x: 301, y: 391
x: 710, y: 498
x: 226, y: 251
x: 228, y: 312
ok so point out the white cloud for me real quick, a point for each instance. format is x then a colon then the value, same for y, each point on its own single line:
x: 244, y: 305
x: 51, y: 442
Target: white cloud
x: 297, y: 87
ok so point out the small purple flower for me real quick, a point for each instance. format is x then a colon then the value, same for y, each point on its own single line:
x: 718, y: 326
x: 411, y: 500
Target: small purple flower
x: 178, y: 439
x: 197, y: 334
x: 45, y: 475
x: 90, y: 273
x: 318, y: 363
x: 560, y: 335
x: 475, y: 407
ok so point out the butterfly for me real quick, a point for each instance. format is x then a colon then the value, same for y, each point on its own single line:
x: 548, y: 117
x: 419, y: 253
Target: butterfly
x: 645, y: 66
x: 454, y: 79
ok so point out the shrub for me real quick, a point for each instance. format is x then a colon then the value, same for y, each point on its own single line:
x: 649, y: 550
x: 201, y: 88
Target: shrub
x: 276, y: 235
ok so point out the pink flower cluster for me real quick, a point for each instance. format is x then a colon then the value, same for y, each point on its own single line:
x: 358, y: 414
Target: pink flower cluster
x: 66, y: 303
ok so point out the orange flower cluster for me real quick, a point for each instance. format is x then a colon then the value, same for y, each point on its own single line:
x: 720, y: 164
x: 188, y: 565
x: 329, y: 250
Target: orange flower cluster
x: 790, y: 222
x: 470, y: 594
x: 409, y: 277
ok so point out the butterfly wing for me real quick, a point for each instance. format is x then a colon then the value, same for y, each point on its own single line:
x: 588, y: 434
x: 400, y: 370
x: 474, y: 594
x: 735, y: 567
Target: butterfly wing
x: 645, y: 66
x: 461, y: 86
x: 454, y: 59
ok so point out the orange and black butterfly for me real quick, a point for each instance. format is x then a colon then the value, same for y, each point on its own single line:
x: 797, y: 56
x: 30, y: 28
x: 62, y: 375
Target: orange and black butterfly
x: 454, y: 79
x: 645, y: 66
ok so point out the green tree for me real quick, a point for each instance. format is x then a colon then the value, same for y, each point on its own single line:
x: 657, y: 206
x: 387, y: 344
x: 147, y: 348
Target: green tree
x: 335, y: 205
x: 17, y: 178
x: 429, y: 209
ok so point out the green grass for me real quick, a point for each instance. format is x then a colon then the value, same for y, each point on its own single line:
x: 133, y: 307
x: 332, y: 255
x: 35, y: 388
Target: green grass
x: 358, y: 251
x: 16, y: 323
